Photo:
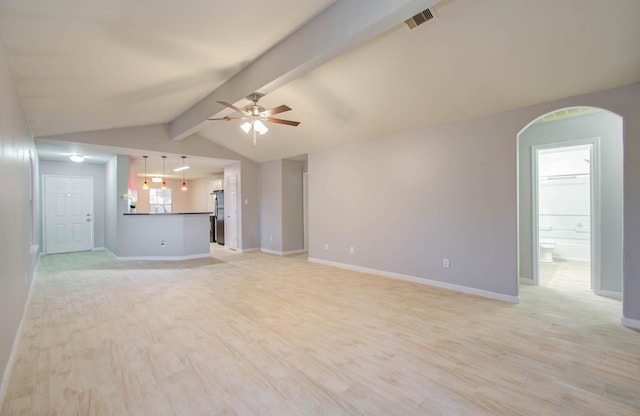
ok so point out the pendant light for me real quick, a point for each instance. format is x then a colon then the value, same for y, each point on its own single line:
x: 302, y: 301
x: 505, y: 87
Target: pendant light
x: 145, y: 185
x: 184, y: 184
x: 164, y: 182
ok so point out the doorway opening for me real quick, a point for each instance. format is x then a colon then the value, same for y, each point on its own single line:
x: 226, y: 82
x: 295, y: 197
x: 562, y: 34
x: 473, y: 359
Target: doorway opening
x: 564, y: 206
x: 570, y: 217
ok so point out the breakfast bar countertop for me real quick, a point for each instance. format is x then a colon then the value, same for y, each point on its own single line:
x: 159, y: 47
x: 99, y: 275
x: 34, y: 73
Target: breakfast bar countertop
x: 166, y: 213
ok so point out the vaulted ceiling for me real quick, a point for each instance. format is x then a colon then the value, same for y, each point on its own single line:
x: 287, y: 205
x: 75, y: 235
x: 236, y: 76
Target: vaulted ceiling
x: 350, y: 69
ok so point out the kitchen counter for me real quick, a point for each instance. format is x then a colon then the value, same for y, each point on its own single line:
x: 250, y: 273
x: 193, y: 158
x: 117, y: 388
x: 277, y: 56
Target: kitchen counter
x: 164, y: 236
x: 167, y: 213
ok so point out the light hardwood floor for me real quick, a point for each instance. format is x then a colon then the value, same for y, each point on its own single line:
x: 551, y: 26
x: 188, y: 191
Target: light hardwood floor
x: 256, y: 334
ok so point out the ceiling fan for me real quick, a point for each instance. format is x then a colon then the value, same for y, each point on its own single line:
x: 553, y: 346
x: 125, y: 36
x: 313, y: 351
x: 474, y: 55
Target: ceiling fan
x: 256, y: 115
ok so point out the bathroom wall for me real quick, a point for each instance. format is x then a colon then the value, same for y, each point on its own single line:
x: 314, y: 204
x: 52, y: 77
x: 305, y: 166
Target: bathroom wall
x: 607, y: 127
x: 564, y: 201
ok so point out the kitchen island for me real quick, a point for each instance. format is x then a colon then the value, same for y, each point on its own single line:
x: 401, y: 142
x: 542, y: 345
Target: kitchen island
x: 164, y: 236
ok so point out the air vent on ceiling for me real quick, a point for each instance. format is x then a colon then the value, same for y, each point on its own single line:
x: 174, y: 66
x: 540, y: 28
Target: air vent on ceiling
x: 419, y: 19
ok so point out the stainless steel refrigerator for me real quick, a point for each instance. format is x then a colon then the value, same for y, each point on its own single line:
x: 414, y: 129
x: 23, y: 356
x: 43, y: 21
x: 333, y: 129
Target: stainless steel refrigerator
x: 218, y: 209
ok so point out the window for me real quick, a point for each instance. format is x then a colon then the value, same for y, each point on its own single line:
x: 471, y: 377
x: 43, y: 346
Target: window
x: 159, y: 200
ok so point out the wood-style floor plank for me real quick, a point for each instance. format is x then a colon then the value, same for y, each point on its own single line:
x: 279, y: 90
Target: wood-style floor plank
x: 256, y: 334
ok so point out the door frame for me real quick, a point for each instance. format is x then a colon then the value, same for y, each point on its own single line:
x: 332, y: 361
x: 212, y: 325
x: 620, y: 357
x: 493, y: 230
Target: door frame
x: 595, y: 206
x: 44, y: 208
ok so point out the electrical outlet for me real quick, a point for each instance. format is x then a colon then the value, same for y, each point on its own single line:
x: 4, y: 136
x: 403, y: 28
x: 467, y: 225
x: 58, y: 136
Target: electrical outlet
x: 326, y: 246
x: 445, y: 263
x: 352, y: 250
x: 163, y: 243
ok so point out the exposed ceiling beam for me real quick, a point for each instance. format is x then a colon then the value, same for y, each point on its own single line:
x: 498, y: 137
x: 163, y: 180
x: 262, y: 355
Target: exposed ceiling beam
x: 342, y: 26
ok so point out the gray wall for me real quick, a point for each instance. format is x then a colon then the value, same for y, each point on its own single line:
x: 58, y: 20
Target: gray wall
x: 271, y: 205
x: 121, y: 186
x: 94, y: 171
x: 248, y: 206
x: 292, y: 226
x: 111, y: 206
x: 281, y: 227
x: 116, y: 180
x: 407, y: 201
x: 608, y: 127
x: 19, y: 217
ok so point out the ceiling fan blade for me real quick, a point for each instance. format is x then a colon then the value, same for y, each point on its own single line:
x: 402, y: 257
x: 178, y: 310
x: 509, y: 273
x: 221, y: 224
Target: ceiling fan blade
x: 281, y: 121
x: 275, y: 110
x: 227, y: 118
x: 233, y: 107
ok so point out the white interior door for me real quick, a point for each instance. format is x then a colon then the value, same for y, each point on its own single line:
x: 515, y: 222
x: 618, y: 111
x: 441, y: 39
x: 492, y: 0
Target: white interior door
x: 68, y: 214
x: 231, y: 213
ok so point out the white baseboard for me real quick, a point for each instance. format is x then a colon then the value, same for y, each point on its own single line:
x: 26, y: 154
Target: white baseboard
x: 247, y: 250
x: 428, y: 282
x: 609, y: 294
x: 630, y: 323
x: 527, y: 281
x: 98, y: 249
x: 168, y: 258
x: 282, y: 253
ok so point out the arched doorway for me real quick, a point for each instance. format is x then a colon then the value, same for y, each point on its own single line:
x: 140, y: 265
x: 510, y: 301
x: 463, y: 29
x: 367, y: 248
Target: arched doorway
x: 599, y: 133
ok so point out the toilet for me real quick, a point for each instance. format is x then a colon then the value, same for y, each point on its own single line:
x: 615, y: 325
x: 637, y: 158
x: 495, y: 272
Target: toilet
x: 546, y: 250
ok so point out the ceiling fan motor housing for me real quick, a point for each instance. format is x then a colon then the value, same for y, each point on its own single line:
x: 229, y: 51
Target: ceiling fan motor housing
x: 254, y: 109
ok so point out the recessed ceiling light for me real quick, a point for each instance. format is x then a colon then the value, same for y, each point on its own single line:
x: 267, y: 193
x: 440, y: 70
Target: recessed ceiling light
x: 156, y: 179
x: 76, y: 158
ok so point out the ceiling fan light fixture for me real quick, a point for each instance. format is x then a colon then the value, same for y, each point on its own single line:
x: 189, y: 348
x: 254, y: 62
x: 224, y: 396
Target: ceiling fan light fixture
x: 246, y: 127
x: 256, y: 116
x: 260, y: 127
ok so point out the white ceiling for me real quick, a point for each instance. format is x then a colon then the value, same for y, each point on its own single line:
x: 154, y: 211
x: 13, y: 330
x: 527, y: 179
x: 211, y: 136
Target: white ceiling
x: 83, y: 66
x: 199, y: 167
